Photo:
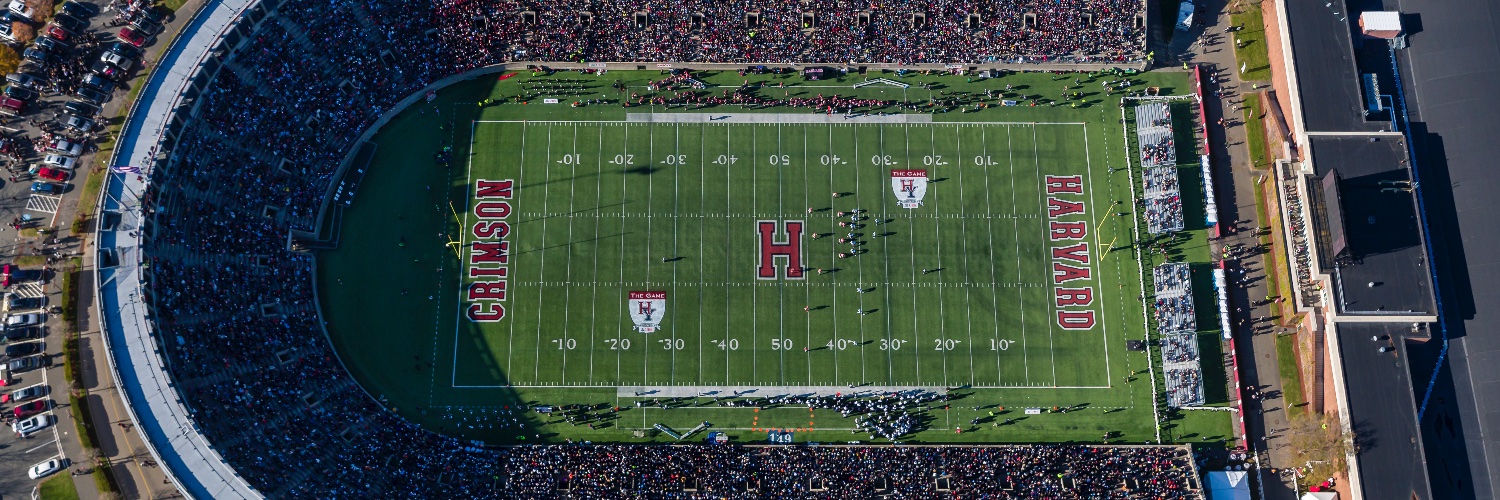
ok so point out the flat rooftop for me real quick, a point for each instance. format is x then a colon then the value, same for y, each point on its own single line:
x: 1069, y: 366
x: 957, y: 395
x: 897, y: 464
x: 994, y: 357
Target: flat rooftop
x: 1382, y: 411
x: 1380, y: 222
x: 1323, y: 43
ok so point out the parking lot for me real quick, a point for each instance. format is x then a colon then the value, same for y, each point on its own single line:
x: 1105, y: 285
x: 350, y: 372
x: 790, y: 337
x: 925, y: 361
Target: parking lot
x: 55, y: 110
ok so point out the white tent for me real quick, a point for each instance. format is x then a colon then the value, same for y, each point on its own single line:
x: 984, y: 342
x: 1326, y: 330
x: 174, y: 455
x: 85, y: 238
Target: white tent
x: 1229, y: 485
x: 1320, y: 495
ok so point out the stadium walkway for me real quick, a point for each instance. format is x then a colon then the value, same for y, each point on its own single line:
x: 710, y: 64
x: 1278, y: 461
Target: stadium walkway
x: 1266, y: 419
x: 136, y: 474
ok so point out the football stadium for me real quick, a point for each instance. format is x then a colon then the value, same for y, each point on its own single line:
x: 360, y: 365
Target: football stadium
x: 737, y: 244
x: 760, y: 249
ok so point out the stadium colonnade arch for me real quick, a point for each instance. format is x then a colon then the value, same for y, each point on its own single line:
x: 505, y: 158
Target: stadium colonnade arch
x: 136, y: 347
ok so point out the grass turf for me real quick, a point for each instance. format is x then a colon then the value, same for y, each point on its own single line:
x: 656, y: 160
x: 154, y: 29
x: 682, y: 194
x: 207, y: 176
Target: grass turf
x: 587, y: 229
x: 58, y: 487
x: 1250, y: 43
x: 1286, y: 365
x: 1255, y: 132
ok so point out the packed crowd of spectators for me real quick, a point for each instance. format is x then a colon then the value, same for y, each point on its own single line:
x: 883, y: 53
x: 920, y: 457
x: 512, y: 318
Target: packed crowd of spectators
x: 1184, y: 386
x: 1163, y: 215
x: 1301, y: 251
x: 1161, y: 200
x: 232, y: 305
x: 1176, y: 326
x: 482, y: 32
x: 1043, y: 471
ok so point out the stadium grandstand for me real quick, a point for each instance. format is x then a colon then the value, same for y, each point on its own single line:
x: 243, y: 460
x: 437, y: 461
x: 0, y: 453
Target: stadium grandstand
x: 240, y: 139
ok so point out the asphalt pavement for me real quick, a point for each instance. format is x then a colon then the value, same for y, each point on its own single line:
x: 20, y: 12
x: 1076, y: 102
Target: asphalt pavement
x: 135, y: 473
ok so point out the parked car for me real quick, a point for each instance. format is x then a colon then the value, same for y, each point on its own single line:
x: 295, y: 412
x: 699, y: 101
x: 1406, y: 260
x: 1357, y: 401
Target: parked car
x: 12, y: 106
x: 60, y: 161
x: 70, y: 23
x: 92, y: 95
x: 133, y: 37
x: 123, y: 49
x: 52, y: 45
x: 19, y: 349
x: 25, y: 394
x: 7, y: 20
x: 78, y: 123
x: 107, y: 70
x: 27, y: 427
x: 47, y: 468
x: 147, y: 26
x: 51, y: 174
x: 58, y: 32
x: 20, y: 93
x: 78, y: 9
x: 28, y: 363
x: 15, y: 302
x: 20, y: 8
x: 45, y: 188
x: 23, y: 334
x: 119, y: 60
x: 80, y: 108
x: 27, y: 80
x: 97, y: 82
x: 37, y: 56
x: 32, y: 408
x: 64, y: 146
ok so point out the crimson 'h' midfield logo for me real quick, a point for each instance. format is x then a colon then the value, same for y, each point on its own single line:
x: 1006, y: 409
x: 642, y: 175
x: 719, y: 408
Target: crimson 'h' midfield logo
x: 771, y: 250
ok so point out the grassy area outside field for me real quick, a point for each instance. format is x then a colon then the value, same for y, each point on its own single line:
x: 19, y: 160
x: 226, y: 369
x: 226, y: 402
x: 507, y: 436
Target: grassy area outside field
x: 1291, y: 380
x: 1255, y: 131
x: 1250, y: 42
x: 58, y: 487
x: 603, y: 207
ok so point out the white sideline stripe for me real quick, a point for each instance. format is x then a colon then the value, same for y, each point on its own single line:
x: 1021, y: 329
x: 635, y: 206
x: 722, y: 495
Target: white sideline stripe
x: 618, y: 122
x: 677, y: 391
x: 750, y: 117
x: 781, y: 389
x: 795, y: 215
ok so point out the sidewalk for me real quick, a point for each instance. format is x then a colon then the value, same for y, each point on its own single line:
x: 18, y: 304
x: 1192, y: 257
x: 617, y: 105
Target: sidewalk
x: 1266, y: 419
x: 135, y: 472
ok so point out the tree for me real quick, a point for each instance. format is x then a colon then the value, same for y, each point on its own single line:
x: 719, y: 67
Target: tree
x: 9, y: 60
x: 1320, y: 442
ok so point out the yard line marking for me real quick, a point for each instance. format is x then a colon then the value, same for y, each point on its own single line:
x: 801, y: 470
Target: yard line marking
x: 1098, y: 280
x: 1037, y: 159
x: 728, y: 251
x: 990, y: 230
x: 594, y: 302
x: 863, y: 369
x: 780, y: 290
x: 925, y: 124
x: 963, y: 231
x: 541, y: 267
x: 650, y: 197
x: 620, y: 316
x: 807, y: 287
x: 937, y: 231
x: 702, y: 205
x: 884, y: 210
x: 568, y: 291
x: 754, y: 297
x: 1020, y: 294
x: 676, y: 199
x: 911, y: 235
x: 462, y: 236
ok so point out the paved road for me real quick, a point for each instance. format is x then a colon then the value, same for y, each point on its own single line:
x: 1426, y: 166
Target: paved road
x: 1254, y: 331
x: 135, y: 472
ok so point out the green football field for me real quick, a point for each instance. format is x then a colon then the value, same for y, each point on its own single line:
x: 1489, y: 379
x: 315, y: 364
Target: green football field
x: 954, y: 292
x: 958, y: 293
